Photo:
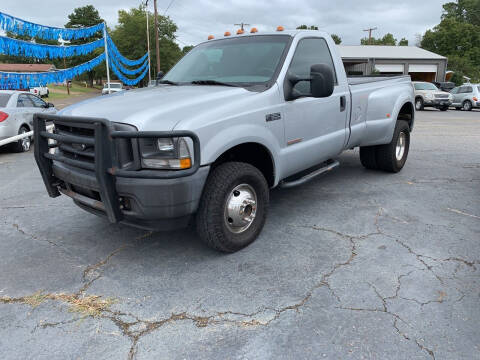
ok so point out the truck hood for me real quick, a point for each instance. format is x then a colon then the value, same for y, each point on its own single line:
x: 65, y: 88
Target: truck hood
x: 157, y: 108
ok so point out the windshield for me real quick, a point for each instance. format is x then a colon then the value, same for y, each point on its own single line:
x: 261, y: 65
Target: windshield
x: 113, y: 86
x: 4, y: 99
x: 425, y: 86
x: 249, y: 60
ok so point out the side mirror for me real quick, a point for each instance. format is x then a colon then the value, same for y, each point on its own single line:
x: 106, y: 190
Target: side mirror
x: 50, y: 105
x: 322, y: 80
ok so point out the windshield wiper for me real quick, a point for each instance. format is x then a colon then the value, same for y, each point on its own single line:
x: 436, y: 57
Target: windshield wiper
x: 168, y: 82
x: 211, y: 82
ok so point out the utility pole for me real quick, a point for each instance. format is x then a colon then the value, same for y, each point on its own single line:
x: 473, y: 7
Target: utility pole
x: 242, y: 25
x: 148, y: 45
x: 157, y: 43
x: 369, y: 30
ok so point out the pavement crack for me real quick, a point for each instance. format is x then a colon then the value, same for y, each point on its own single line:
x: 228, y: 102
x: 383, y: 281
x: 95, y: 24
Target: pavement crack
x: 92, y: 271
x: 463, y: 213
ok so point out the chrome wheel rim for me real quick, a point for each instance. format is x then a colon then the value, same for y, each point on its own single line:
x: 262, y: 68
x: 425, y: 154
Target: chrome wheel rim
x: 400, y: 149
x: 466, y: 106
x: 25, y: 141
x: 418, y: 104
x: 240, y: 208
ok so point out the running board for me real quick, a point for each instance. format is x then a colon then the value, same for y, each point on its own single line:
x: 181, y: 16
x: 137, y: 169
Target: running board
x: 328, y: 166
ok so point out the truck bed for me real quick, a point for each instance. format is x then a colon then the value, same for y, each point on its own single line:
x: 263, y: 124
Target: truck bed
x: 357, y: 80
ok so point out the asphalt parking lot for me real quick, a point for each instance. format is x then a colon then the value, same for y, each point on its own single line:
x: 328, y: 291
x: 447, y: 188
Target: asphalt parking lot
x: 353, y: 265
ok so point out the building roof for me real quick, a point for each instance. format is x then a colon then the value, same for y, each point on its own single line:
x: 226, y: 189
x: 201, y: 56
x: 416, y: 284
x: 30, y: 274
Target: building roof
x: 386, y: 52
x: 27, y: 67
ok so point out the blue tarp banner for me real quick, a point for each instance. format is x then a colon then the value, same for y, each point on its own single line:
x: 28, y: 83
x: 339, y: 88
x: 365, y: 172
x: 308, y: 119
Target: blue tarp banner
x: 27, y: 80
x: 123, y: 69
x: 22, y: 27
x: 16, y: 47
x: 123, y: 78
x: 113, y: 49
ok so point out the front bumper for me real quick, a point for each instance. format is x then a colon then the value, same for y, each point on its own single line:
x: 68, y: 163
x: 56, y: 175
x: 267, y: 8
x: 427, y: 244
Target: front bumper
x: 437, y: 102
x: 149, y: 199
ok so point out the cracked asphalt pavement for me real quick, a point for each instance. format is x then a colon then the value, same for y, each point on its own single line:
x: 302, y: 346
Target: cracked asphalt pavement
x: 356, y: 264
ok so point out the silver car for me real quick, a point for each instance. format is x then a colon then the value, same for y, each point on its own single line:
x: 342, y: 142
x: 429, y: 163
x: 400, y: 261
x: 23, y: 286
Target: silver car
x: 16, y: 116
x: 428, y: 95
x: 466, y: 97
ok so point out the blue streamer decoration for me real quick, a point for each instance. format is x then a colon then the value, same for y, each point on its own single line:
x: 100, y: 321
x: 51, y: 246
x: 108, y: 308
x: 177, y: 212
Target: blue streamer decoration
x: 123, y: 69
x: 123, y: 78
x: 16, y: 47
x: 113, y: 49
x: 14, y: 81
x: 22, y: 27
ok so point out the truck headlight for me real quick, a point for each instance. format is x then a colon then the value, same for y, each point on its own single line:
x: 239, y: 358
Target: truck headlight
x: 165, y: 153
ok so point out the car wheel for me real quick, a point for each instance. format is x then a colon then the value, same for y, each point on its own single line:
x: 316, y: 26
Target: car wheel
x: 419, y: 104
x: 444, y: 108
x: 392, y: 157
x: 467, y: 105
x: 22, y: 145
x: 368, y: 157
x: 233, y: 207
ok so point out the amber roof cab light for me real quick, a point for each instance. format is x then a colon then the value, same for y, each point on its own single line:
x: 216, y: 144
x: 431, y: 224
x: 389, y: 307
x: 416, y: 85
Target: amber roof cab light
x: 253, y: 30
x: 227, y: 33
x: 280, y: 28
x: 211, y: 37
x: 240, y: 31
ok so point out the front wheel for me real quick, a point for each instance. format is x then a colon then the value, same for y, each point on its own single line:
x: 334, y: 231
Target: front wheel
x: 419, y: 104
x: 233, y: 208
x: 22, y: 145
x: 392, y: 157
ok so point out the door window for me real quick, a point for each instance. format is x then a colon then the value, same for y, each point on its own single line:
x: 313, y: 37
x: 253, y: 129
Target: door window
x: 454, y: 91
x: 37, y: 102
x: 24, y: 101
x: 309, y: 52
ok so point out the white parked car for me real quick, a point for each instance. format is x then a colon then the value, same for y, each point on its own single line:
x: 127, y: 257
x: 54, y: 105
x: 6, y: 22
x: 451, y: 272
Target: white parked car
x: 114, y: 87
x: 41, y: 91
x: 16, y: 116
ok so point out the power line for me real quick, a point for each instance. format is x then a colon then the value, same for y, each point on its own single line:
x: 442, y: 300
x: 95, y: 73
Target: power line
x: 168, y: 7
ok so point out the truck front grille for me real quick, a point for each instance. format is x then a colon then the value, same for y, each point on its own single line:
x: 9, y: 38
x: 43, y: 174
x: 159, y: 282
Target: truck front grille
x: 441, y: 96
x: 78, y: 145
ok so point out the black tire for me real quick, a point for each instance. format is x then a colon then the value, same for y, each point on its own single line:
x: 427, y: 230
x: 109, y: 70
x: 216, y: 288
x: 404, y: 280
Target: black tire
x: 467, y: 105
x: 211, y: 218
x: 419, y: 104
x: 21, y: 145
x: 386, y: 154
x: 444, y: 108
x: 368, y: 157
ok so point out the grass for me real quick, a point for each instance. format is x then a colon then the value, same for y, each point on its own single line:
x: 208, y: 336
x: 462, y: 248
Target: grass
x: 58, y: 92
x: 86, y: 305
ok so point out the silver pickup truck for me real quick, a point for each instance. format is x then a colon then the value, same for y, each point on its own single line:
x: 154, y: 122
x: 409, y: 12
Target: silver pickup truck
x: 233, y: 118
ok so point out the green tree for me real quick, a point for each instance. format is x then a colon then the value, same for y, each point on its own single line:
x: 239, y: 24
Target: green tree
x: 305, y: 27
x: 130, y: 37
x: 457, y: 37
x: 387, y: 39
x: 187, y: 48
x: 337, y: 39
x: 403, y: 42
x: 84, y: 17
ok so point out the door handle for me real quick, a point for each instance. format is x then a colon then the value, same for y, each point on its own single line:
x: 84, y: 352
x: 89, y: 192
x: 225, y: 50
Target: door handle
x: 343, y: 103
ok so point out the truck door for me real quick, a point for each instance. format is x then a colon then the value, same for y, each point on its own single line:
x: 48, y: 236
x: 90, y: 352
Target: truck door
x: 315, y: 129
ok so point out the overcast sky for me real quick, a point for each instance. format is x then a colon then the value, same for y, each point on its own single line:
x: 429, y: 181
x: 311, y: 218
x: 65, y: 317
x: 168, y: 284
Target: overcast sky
x: 196, y: 19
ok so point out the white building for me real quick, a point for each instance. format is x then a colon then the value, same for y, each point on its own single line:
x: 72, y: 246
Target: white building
x: 420, y: 64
